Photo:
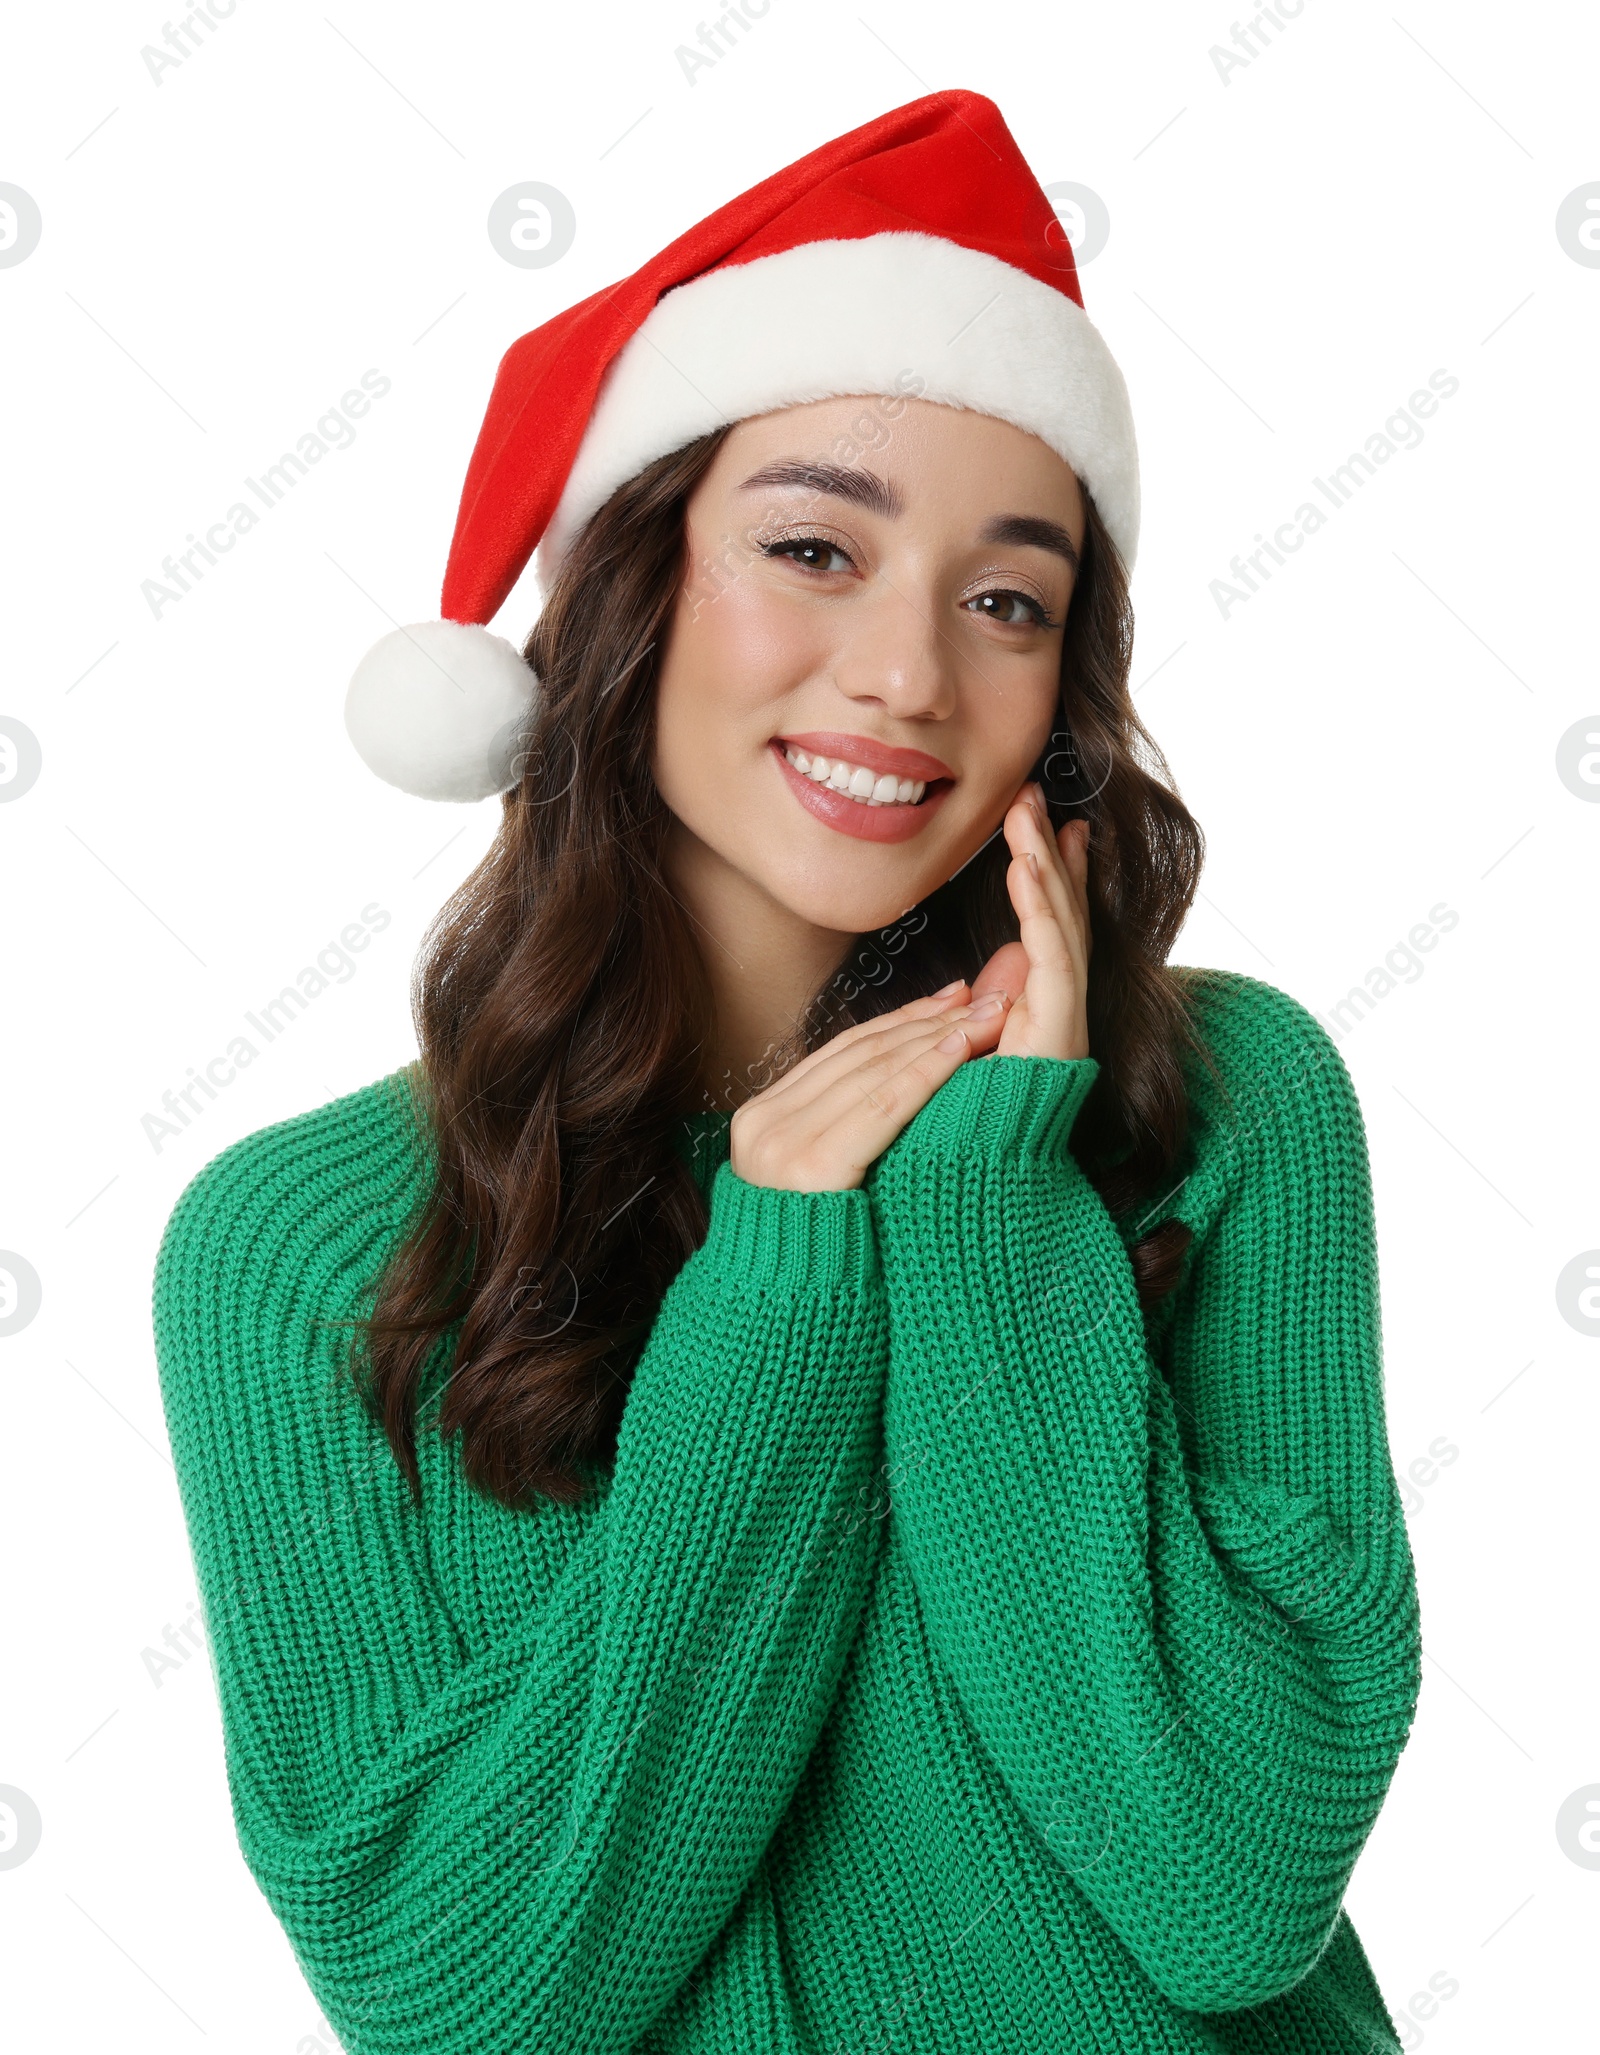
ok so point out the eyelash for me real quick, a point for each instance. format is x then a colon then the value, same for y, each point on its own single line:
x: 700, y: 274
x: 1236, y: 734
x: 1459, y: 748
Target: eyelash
x: 1042, y: 616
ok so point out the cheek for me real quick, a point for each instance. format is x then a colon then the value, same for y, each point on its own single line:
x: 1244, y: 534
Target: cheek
x: 734, y: 658
x: 1049, y: 717
x: 757, y: 647
x: 1014, y: 730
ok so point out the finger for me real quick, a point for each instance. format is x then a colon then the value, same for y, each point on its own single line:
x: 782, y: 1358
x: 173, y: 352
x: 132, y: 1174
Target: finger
x: 1072, y: 843
x: 1039, y: 921
x: 1005, y: 971
x: 1050, y: 845
x: 868, y: 1106
x: 1050, y: 1002
x: 1028, y: 835
x: 867, y: 1040
x: 954, y: 994
x: 860, y: 1111
x: 857, y: 1081
x: 1068, y: 853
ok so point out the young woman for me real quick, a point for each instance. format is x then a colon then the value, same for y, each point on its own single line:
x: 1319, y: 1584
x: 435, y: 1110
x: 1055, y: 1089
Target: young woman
x: 863, y: 1517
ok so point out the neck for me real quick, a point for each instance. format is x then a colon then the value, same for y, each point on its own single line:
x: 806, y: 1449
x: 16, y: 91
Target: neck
x: 765, y: 963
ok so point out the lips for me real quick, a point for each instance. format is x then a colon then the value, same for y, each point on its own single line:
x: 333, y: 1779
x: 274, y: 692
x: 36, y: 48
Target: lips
x: 873, y: 756
x: 851, y: 816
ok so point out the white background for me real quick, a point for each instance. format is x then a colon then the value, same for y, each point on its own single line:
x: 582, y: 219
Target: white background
x: 1292, y: 252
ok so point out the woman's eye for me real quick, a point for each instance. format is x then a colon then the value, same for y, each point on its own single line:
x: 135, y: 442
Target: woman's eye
x: 809, y: 550
x: 1011, y: 609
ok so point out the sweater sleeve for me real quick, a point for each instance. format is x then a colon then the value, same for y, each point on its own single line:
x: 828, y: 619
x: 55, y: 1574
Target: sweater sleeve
x: 533, y: 1845
x: 1177, y: 1600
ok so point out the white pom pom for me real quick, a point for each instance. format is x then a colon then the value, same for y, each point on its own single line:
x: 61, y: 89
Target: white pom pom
x: 439, y: 709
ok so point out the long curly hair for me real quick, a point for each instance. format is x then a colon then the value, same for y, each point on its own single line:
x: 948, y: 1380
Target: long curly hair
x: 562, y: 1009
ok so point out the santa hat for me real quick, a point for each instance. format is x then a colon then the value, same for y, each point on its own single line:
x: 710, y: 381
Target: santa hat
x: 914, y: 254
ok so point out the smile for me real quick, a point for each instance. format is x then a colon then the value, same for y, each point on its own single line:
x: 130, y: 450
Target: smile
x: 856, y: 781
x: 854, y: 798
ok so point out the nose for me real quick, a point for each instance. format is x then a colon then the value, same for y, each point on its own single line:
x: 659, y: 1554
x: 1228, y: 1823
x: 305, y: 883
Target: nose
x: 893, y: 654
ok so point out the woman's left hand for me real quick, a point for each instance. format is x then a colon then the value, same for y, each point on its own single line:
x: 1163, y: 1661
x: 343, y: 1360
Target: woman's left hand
x: 1046, y: 974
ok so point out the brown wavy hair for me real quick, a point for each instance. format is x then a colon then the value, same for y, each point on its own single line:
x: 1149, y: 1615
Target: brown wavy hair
x: 562, y: 1009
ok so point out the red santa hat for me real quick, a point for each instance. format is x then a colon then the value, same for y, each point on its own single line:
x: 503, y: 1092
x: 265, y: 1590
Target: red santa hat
x: 914, y: 254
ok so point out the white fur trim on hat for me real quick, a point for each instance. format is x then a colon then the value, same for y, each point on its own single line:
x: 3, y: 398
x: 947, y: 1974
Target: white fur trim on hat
x: 439, y: 709
x: 898, y: 313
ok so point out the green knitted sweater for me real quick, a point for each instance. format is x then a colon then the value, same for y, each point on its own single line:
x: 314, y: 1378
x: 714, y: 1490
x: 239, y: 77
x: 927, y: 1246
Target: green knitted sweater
x: 958, y: 1659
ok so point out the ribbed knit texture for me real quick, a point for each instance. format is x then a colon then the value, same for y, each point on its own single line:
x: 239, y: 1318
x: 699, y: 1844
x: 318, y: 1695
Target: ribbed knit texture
x: 956, y: 1660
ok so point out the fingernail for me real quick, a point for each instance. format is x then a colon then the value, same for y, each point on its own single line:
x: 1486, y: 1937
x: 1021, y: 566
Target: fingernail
x: 991, y: 1002
x: 954, y: 985
x: 1033, y: 864
x: 953, y: 1041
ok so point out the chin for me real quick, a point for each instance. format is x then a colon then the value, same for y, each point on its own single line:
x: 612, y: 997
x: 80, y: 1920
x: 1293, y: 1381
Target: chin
x: 849, y: 906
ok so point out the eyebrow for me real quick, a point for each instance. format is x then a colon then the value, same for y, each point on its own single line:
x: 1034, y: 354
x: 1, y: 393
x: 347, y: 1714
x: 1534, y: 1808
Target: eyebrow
x: 866, y: 489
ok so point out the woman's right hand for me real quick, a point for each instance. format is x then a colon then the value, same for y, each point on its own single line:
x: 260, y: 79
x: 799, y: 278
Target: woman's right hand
x: 820, y: 1126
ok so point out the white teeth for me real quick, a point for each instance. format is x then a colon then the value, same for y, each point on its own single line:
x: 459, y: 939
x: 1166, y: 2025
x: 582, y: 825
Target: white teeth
x: 872, y: 788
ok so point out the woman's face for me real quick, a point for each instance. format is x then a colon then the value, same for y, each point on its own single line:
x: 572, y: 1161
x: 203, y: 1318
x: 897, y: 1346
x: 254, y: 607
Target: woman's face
x: 877, y: 585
